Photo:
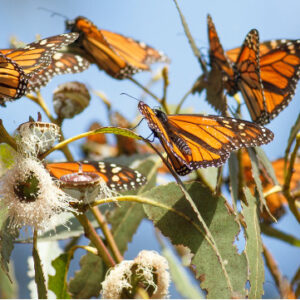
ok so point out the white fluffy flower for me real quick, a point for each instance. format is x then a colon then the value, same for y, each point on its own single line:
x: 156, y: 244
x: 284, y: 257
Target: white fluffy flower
x: 149, y: 269
x: 30, y: 196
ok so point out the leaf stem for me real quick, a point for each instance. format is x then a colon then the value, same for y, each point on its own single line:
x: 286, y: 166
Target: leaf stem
x: 92, y: 235
x: 273, y: 232
x: 182, y: 100
x: 5, y: 137
x: 38, y: 270
x: 107, y: 233
x: 286, y: 187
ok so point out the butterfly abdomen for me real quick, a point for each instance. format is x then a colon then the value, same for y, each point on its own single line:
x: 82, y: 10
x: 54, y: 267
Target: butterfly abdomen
x: 181, y: 144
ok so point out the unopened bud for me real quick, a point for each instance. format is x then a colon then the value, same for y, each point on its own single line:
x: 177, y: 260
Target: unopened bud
x: 70, y: 99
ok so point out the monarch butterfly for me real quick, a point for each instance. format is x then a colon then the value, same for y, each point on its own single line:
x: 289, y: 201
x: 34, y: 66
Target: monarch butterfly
x: 198, y: 141
x: 117, y: 55
x: 115, y: 176
x: 244, y: 74
x: 279, y: 71
x: 17, y: 66
x: 274, y: 201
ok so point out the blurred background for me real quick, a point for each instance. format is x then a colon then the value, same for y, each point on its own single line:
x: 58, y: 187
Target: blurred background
x: 156, y: 23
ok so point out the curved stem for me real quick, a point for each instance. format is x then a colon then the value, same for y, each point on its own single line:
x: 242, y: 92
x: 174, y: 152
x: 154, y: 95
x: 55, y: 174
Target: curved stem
x: 92, y: 235
x: 107, y: 233
x: 182, y: 100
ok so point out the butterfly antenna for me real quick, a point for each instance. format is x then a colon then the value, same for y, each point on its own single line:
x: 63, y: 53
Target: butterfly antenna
x: 130, y: 96
x: 53, y: 13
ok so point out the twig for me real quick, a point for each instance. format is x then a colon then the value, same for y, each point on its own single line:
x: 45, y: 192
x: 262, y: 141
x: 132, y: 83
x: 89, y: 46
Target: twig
x: 107, y: 233
x: 92, y: 235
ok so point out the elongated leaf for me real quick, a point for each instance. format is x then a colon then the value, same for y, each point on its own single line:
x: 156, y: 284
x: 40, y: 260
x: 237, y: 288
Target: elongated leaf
x: 295, y: 129
x: 253, y: 247
x: 266, y: 163
x: 180, y: 277
x: 255, y: 174
x: 209, y: 176
x: 39, y: 275
x: 7, y: 238
x: 126, y: 219
x: 58, y: 282
x: 8, y: 290
x: 176, y: 220
x: 233, y: 164
x: 87, y: 281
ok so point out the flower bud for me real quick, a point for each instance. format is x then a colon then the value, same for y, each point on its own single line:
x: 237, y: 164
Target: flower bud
x: 37, y: 137
x: 70, y: 99
x: 148, y: 271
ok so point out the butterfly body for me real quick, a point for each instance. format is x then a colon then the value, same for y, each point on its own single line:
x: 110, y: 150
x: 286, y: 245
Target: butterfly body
x: 197, y: 141
x: 117, y: 55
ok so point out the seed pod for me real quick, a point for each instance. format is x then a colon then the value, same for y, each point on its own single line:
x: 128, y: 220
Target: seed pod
x: 37, y: 137
x: 70, y: 99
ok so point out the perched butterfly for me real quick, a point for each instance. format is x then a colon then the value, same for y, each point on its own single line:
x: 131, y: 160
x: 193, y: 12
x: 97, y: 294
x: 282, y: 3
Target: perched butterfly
x: 244, y: 74
x: 116, y: 177
x: 18, y: 66
x: 279, y: 71
x: 274, y: 201
x: 117, y: 55
x: 198, y: 141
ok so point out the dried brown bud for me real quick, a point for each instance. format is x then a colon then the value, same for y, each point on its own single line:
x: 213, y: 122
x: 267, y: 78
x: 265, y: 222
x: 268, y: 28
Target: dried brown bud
x: 70, y: 99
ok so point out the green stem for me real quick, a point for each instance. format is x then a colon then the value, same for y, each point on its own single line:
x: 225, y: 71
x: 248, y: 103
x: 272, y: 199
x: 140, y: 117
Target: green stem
x: 92, y: 235
x: 38, y: 270
x: 107, y: 233
x: 271, y: 231
x: 6, y: 138
x: 286, y: 187
x: 182, y: 100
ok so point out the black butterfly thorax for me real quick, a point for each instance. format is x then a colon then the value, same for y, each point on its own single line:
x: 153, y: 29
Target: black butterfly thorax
x: 171, y: 131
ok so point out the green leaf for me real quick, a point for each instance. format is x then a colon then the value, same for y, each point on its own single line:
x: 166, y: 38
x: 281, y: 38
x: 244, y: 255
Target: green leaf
x: 39, y: 275
x: 7, y: 157
x: 87, y: 281
x: 8, y: 289
x: 180, y: 277
x: 209, y: 176
x: 293, y: 133
x: 233, y: 165
x: 177, y: 220
x: 7, y: 238
x: 58, y: 282
x: 266, y: 163
x: 126, y: 219
x: 253, y: 247
x: 258, y: 183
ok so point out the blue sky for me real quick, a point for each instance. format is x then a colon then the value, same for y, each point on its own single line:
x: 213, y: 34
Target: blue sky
x: 156, y: 22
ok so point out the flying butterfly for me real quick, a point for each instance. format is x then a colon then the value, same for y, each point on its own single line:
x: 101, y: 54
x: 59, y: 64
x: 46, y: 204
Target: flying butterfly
x: 279, y: 71
x: 116, y: 177
x: 18, y: 66
x: 117, y: 55
x: 244, y: 74
x: 198, y: 141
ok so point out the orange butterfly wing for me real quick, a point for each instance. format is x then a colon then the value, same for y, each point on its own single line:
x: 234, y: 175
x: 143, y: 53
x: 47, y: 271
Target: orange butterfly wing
x: 279, y: 71
x: 62, y: 63
x: 13, y: 81
x: 116, y: 54
x: 249, y: 80
x: 38, y: 55
x: 218, y: 58
x: 18, y: 65
x: 194, y: 141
